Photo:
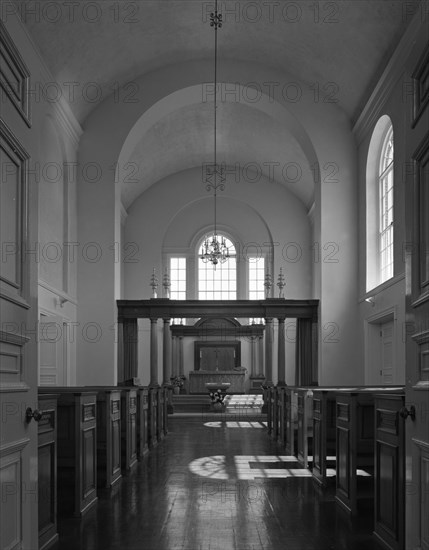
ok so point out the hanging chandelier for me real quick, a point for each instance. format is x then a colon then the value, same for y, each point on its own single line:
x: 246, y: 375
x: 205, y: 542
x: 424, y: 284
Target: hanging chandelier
x: 214, y: 249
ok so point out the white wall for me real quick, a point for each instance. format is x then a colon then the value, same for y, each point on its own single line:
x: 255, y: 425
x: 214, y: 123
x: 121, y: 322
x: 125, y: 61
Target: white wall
x: 388, y: 99
x: 325, y: 135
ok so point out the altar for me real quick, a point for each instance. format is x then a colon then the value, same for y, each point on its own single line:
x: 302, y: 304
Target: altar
x: 198, y: 380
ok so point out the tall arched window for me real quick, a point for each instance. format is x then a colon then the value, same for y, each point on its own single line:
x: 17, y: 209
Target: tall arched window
x: 219, y: 283
x: 385, y: 193
x: 380, y: 205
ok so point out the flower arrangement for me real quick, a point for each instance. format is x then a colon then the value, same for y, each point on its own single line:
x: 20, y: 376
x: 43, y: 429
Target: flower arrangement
x: 177, y: 382
x: 217, y: 396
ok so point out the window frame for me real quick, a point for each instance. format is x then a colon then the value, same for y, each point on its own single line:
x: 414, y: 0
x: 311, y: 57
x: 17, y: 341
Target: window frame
x: 220, y: 268
x: 386, y: 186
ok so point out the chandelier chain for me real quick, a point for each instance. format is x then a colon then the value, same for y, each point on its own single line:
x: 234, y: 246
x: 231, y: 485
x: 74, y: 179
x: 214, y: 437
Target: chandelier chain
x: 215, y: 250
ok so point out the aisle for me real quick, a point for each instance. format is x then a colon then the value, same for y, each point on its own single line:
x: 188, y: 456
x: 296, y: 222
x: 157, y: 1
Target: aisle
x: 216, y: 484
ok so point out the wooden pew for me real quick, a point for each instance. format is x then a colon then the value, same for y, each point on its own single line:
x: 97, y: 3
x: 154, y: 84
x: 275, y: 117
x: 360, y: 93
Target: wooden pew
x: 305, y: 425
x: 389, y: 520
x: 77, y: 449
x: 153, y: 406
x: 108, y: 436
x: 160, y: 414
x: 290, y: 417
x: 128, y: 427
x: 281, y: 415
x: 355, y: 446
x: 268, y: 399
x: 167, y: 400
x: 324, y: 430
x: 142, y: 422
x: 47, y: 469
x: 274, y: 413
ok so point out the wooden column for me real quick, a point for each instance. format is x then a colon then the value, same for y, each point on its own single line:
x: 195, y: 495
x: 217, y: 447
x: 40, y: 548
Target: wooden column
x: 154, y: 352
x: 181, y: 366
x: 269, y: 351
x: 166, y: 352
x: 174, y: 355
x: 281, y: 373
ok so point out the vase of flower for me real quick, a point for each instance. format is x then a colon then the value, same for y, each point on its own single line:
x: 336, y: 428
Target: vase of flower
x: 177, y: 383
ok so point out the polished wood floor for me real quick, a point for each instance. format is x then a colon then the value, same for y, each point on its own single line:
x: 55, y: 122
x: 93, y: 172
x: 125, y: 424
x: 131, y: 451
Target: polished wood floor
x: 216, y: 484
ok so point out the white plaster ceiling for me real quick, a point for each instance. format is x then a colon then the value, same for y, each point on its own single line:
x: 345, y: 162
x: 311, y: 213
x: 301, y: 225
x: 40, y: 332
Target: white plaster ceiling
x: 249, y: 142
x: 119, y: 41
x: 348, y: 45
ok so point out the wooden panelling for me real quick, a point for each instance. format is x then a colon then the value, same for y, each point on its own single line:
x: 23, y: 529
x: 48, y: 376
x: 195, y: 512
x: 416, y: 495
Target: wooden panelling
x: 11, y: 508
x: 14, y: 75
x: 324, y: 432
x: 274, y: 413
x: 269, y: 409
x: 47, y: 470
x: 153, y: 406
x: 343, y: 462
x: 128, y: 427
x: 281, y: 415
x: 421, y: 207
x: 290, y: 410
x: 143, y: 428
x: 199, y: 379
x: 355, y: 449
x: 305, y: 425
x: 77, y: 449
x: 108, y: 436
x: 389, y: 514
x: 160, y: 415
x: 422, y: 451
x: 12, y: 361
x: 167, y: 398
x: 13, y: 216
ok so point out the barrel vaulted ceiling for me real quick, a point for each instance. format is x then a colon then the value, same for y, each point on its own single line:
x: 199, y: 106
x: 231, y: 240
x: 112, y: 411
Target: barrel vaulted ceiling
x: 346, y: 42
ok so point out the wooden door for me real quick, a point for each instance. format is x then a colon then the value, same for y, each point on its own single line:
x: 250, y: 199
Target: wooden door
x: 386, y: 371
x: 51, y: 351
x: 18, y: 336
x: 416, y: 328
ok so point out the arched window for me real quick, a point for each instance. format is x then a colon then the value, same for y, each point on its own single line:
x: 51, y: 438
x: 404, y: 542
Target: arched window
x: 380, y: 205
x: 385, y: 194
x: 219, y: 283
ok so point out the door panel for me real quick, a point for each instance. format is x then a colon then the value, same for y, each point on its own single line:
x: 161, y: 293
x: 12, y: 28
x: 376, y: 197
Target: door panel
x: 18, y: 335
x: 417, y: 304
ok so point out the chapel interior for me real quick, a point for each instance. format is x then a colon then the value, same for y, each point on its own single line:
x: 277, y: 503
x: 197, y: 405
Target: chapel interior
x: 208, y: 291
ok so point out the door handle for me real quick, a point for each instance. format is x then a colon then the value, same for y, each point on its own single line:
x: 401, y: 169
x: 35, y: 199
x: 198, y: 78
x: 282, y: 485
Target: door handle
x: 36, y: 414
x: 405, y: 413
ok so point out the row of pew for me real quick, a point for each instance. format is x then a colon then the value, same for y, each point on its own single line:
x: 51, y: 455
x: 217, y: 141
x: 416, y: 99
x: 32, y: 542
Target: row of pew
x: 88, y: 438
x: 354, y: 436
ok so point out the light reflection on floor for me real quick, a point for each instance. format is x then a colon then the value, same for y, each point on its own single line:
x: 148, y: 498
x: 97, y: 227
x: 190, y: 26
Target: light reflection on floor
x: 235, y: 424
x: 214, y: 467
